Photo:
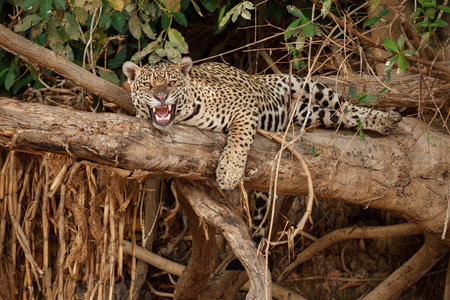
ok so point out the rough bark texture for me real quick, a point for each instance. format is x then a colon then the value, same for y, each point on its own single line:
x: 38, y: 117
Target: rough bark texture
x: 18, y: 45
x: 403, y: 173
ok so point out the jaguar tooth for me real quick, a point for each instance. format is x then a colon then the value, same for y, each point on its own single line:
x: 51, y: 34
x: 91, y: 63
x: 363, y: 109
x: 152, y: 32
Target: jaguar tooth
x: 154, y: 109
x: 170, y: 107
x: 157, y: 117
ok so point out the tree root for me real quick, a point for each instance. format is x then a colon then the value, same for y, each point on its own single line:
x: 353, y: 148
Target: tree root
x: 411, y: 271
x: 400, y: 230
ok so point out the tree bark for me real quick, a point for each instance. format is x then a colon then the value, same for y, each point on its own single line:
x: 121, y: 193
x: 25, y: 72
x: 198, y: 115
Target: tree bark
x: 405, y: 173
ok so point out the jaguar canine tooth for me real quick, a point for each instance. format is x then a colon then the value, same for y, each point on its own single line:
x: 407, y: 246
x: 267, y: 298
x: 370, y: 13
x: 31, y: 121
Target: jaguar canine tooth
x: 154, y: 109
x: 170, y: 107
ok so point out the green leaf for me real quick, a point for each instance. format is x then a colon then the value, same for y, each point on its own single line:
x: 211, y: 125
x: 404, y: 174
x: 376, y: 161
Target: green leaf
x: 117, y: 5
x: 361, y: 132
x: 80, y: 14
x: 178, y: 40
x: 227, y: 16
x: 59, y: 4
x: 118, y: 21
x: 325, y: 8
x: 27, y: 22
x: 22, y: 83
x: 46, y: 9
x: 390, y: 62
x: 308, y: 29
x: 55, y: 40
x: 439, y: 23
x: 210, y: 5
x: 409, y: 52
x: 9, y: 80
x: 28, y: 4
x: 237, y: 12
x: 431, y: 4
x: 295, y: 11
x: 148, y: 30
x: 180, y: 18
x: 165, y: 20
x: 153, y: 58
x: 444, y: 8
x: 147, y: 49
x: 70, y: 26
x: 402, y: 62
x: 415, y: 14
x: 172, y: 6
x: 248, y: 5
x: 289, y: 32
x: 370, y: 22
x: 3, y: 72
x: 388, y: 76
x: 300, y: 42
x: 352, y: 92
x: 383, y: 12
x: 313, y: 151
x: 382, y: 90
x: 172, y: 53
x: 425, y: 38
x: 365, y: 99
x: 184, y: 4
x: 277, y: 13
x: 135, y: 26
x: 109, y: 76
x: 160, y: 52
x: 197, y: 8
x: 401, y: 42
x: 429, y: 138
x: 390, y: 45
x: 422, y: 24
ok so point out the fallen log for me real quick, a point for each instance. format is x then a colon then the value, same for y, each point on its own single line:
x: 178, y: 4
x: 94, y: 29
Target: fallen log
x: 405, y: 173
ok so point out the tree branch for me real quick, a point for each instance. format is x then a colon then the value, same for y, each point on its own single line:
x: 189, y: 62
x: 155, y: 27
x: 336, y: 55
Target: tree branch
x: 394, y: 173
x: 18, y: 45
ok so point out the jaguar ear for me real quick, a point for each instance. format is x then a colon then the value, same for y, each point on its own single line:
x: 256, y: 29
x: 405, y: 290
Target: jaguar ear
x: 186, y: 65
x: 131, y: 70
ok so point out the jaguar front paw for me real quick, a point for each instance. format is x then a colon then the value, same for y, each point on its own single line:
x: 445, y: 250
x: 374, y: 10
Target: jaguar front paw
x: 229, y: 172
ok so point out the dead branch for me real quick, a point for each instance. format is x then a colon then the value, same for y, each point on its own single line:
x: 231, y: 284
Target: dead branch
x: 18, y: 45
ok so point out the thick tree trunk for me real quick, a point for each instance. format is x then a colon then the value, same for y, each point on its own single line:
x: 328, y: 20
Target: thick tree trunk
x: 406, y: 173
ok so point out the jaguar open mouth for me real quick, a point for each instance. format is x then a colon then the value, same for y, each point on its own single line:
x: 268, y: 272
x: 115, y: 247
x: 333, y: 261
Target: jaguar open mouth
x: 163, y: 115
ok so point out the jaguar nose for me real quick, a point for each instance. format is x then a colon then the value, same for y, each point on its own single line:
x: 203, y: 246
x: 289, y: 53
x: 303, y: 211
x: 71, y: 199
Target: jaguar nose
x: 161, y: 97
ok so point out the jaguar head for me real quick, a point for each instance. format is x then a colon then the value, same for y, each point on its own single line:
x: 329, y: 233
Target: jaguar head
x: 156, y: 90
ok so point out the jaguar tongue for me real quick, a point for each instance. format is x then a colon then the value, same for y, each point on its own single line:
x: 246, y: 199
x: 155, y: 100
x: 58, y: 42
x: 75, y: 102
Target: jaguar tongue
x: 162, y: 111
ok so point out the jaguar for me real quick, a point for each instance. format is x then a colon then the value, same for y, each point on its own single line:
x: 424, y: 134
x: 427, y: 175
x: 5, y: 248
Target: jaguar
x: 218, y: 97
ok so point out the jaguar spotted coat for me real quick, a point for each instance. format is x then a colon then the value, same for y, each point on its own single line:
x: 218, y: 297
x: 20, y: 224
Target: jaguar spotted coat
x: 218, y: 97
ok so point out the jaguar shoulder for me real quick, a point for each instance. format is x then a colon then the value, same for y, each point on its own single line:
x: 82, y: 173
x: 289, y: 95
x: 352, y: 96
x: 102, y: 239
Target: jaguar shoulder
x: 218, y: 97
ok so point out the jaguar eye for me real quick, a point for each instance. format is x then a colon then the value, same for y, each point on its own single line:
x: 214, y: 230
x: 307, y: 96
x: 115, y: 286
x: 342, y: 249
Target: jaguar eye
x: 172, y: 82
x: 148, y: 84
